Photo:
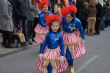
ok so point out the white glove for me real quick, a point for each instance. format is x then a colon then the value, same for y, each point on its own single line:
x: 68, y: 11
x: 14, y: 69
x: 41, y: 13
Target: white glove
x: 40, y: 56
x: 84, y: 42
x: 62, y: 58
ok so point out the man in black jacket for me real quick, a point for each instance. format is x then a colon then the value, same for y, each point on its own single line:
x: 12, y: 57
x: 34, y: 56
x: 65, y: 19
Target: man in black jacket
x: 98, y: 18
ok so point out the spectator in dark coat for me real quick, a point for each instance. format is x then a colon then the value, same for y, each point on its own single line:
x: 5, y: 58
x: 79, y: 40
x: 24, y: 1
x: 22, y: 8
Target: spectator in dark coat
x: 20, y: 15
x: 107, y: 19
x: 6, y: 23
x: 17, y: 13
x: 83, y: 14
x: 24, y: 17
x: 91, y: 18
x: 30, y: 20
x: 98, y: 18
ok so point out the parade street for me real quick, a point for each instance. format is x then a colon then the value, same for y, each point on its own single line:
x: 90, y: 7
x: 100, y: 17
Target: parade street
x: 96, y: 60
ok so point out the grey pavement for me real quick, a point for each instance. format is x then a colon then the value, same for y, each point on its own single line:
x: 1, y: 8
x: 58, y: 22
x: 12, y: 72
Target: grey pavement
x: 6, y: 51
x: 96, y: 60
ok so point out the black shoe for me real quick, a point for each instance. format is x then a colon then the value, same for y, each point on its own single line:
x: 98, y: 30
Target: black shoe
x: 25, y: 44
x: 18, y: 45
x: 3, y: 44
x: 8, y: 46
x: 30, y: 42
x: 97, y: 34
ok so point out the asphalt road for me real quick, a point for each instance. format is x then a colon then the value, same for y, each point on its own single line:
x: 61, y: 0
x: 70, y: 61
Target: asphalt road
x: 96, y: 60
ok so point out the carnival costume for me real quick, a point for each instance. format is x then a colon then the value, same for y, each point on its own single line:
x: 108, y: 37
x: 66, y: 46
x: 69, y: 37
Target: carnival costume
x: 73, y: 35
x: 41, y: 29
x: 52, y: 50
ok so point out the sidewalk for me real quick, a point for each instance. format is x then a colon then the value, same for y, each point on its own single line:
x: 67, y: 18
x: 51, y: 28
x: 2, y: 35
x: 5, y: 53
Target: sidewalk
x: 6, y: 51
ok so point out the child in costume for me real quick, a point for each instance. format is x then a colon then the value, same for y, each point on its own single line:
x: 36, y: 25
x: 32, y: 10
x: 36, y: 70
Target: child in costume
x: 73, y: 34
x: 52, y: 49
x: 41, y: 29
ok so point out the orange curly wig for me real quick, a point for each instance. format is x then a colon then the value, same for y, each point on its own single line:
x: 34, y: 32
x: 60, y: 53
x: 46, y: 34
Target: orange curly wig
x: 51, y: 18
x: 68, y: 10
x: 44, y: 2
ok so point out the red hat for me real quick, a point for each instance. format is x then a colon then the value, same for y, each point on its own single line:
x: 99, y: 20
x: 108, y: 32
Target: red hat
x: 44, y: 2
x: 68, y: 10
x: 51, y: 18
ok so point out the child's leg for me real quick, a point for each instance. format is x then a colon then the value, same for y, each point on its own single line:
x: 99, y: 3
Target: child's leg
x: 71, y: 66
x: 49, y: 68
x: 53, y: 63
x: 93, y: 23
x: 70, y: 60
x: 46, y: 62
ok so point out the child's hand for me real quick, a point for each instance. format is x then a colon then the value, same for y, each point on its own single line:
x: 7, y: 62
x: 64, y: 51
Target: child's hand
x: 84, y: 42
x: 62, y: 58
x: 40, y: 56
